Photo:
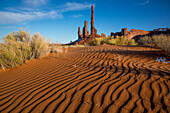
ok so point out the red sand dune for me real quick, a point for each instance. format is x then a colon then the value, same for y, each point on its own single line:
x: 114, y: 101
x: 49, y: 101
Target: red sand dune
x: 90, y: 79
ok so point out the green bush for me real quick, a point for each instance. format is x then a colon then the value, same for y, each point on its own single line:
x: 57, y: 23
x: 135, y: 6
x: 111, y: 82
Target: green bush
x: 132, y: 42
x: 121, y: 40
x: 19, y: 47
x: 97, y: 41
x: 110, y: 40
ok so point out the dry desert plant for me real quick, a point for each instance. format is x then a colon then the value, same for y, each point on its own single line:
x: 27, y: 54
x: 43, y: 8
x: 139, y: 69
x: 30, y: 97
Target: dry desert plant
x: 157, y: 41
x: 56, y: 49
x: 162, y: 42
x: 147, y: 40
x: 19, y: 47
x: 40, y: 47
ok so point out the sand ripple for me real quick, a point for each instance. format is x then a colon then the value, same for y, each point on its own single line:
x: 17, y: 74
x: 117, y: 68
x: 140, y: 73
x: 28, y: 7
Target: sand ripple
x: 90, y: 79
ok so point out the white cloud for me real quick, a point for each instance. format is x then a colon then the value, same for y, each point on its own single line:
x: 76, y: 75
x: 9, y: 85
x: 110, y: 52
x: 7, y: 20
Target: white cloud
x: 74, y: 6
x: 76, y: 16
x: 24, y: 14
x: 17, y: 17
x: 144, y: 3
x: 35, y: 2
x: 8, y: 27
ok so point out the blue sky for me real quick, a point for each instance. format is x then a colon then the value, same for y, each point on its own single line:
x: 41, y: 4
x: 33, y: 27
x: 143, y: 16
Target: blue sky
x: 59, y: 19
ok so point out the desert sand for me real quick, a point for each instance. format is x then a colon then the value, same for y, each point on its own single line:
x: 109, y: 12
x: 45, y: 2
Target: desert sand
x: 89, y: 79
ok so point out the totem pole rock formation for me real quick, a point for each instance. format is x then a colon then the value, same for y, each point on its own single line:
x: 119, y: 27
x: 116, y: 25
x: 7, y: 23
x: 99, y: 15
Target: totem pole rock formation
x: 93, y: 29
x: 85, y: 34
x: 92, y: 21
x: 88, y: 33
x: 86, y: 37
x: 79, y: 33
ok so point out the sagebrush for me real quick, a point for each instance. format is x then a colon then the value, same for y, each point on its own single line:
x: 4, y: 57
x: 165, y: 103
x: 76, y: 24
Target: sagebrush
x: 158, y: 41
x: 19, y: 46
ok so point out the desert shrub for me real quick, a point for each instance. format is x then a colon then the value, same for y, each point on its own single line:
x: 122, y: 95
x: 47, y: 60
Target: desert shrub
x: 103, y: 40
x: 56, y: 49
x: 147, y: 40
x: 16, y: 49
x: 10, y: 56
x: 81, y: 45
x: 19, y: 47
x: 121, y: 40
x: 162, y: 42
x: 110, y: 37
x: 132, y: 42
x: 96, y: 41
x: 110, y: 40
x: 157, y: 41
x: 99, y: 41
x: 39, y: 46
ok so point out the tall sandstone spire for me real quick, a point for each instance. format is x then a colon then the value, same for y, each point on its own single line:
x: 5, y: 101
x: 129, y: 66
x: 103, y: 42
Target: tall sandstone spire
x: 79, y: 33
x: 92, y: 20
x: 85, y: 34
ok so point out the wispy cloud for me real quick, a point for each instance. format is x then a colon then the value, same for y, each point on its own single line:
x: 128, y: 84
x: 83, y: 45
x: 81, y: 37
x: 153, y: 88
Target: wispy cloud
x: 74, y: 6
x: 35, y: 3
x: 8, y: 17
x: 8, y: 27
x: 144, y: 3
x: 76, y: 16
x: 24, y: 14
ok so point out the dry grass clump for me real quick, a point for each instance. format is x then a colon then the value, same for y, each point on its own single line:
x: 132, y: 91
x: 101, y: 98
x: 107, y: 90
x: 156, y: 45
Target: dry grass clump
x: 20, y: 46
x: 56, y: 49
x: 113, y: 41
x: 157, y: 41
x: 39, y: 46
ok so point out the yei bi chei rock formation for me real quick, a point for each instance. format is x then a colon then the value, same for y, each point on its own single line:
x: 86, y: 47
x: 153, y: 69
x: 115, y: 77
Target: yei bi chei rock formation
x: 86, y: 37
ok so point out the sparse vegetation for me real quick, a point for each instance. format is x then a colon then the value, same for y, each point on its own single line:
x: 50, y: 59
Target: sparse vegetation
x: 20, y: 46
x: 96, y: 41
x: 111, y: 41
x: 157, y: 41
x: 56, y: 49
x: 39, y: 46
x: 147, y: 40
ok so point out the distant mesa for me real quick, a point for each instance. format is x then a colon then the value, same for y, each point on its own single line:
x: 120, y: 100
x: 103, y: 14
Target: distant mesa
x: 84, y: 36
x: 160, y: 31
x: 136, y: 33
